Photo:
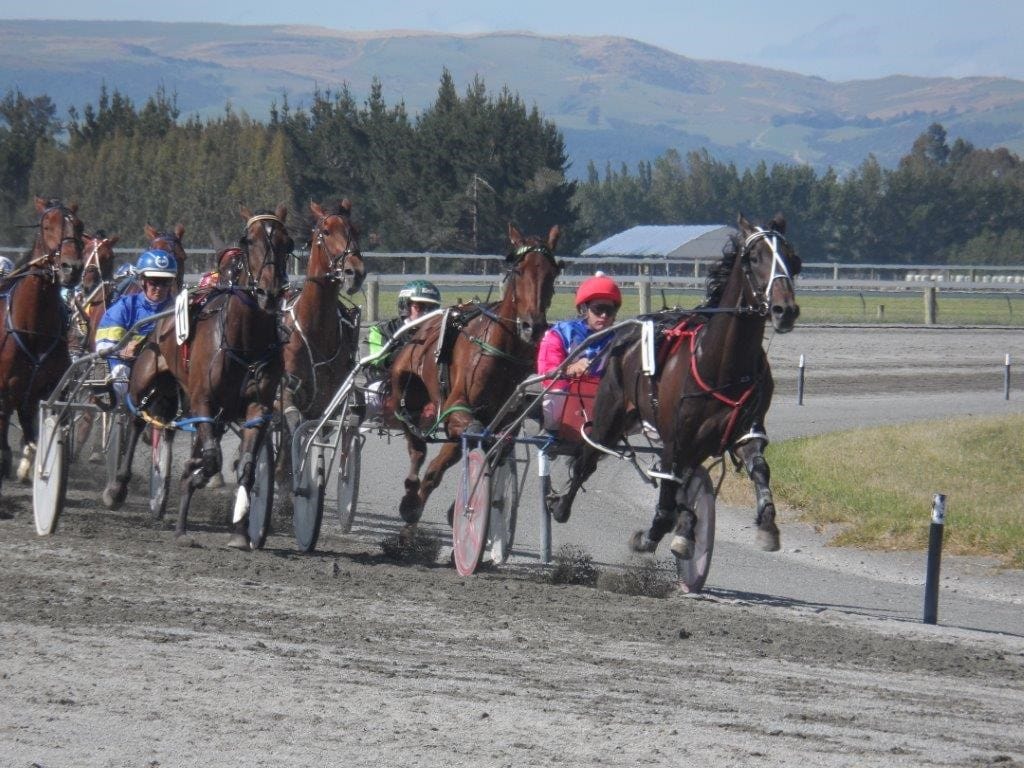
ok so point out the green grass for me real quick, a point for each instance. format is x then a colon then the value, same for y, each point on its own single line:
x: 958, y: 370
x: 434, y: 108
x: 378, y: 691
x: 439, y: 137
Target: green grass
x: 877, y: 484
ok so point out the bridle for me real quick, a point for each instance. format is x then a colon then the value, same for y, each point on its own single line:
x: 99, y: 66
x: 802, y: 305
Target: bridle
x: 240, y: 263
x: 51, y: 258
x: 514, y: 270
x: 780, y: 269
x: 339, y: 266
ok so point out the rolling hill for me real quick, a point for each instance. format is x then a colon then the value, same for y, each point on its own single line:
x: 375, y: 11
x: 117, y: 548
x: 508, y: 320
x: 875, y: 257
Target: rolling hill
x: 616, y: 100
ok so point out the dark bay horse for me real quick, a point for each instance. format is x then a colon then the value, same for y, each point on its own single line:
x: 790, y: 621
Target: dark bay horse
x: 490, y: 348
x: 710, y: 386
x: 324, y: 340
x: 228, y: 370
x: 33, y: 340
x: 93, y: 294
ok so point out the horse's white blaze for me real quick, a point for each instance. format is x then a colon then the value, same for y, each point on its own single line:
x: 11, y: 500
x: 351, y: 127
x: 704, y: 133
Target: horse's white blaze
x: 241, y: 505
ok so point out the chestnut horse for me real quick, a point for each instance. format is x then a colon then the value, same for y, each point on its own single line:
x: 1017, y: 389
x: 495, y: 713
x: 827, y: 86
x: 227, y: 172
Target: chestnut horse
x: 324, y: 340
x: 33, y: 341
x: 710, y: 386
x: 491, y: 348
x: 228, y: 369
x: 170, y: 241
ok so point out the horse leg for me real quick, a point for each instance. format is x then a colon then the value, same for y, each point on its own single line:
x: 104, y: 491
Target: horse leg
x: 752, y: 454
x: 446, y: 457
x: 117, y: 490
x: 28, y: 418
x: 410, y: 507
x: 6, y: 459
x: 252, y: 438
x: 666, y: 516
x: 203, y: 464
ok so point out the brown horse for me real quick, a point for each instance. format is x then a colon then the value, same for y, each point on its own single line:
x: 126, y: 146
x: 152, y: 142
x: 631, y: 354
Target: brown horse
x: 491, y: 348
x: 87, y: 303
x: 228, y: 370
x: 324, y: 339
x: 710, y: 386
x: 33, y: 341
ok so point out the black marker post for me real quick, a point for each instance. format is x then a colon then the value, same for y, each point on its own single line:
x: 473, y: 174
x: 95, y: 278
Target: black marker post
x: 931, y: 584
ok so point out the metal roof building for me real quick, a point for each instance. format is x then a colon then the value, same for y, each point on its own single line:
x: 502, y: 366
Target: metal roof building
x: 686, y: 242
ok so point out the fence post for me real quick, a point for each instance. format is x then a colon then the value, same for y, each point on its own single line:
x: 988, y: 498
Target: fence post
x: 1006, y: 377
x: 931, y: 308
x: 643, y: 289
x: 931, y: 583
x: 372, y: 299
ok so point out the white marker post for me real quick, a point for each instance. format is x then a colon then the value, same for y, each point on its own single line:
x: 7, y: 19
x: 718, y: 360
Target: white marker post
x: 1006, y: 377
x: 800, y: 382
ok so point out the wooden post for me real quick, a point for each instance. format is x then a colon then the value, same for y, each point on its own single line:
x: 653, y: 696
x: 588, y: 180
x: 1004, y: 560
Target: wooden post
x: 643, y: 289
x: 373, y: 300
x: 931, y: 308
x: 881, y: 312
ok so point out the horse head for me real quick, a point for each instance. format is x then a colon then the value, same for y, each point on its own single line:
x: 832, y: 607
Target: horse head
x: 334, y: 247
x: 266, y: 246
x: 531, y: 274
x: 98, y: 260
x: 169, y: 241
x: 59, y: 243
x: 770, y: 263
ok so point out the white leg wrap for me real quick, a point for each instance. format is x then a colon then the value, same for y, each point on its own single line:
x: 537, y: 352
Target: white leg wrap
x: 241, y: 505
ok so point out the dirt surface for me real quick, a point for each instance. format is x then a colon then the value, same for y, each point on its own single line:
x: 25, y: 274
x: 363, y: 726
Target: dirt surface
x: 121, y: 649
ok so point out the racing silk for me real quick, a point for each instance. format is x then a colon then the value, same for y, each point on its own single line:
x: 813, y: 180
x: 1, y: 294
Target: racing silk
x: 562, y: 337
x: 380, y: 334
x: 122, y: 315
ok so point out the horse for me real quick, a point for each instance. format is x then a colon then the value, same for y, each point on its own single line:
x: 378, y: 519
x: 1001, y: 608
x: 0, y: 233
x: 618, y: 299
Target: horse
x: 87, y: 303
x: 33, y: 342
x: 711, y: 385
x: 228, y: 370
x: 324, y: 335
x: 170, y: 241
x: 488, y: 350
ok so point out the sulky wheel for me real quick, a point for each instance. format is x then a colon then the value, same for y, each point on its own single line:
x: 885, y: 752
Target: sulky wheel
x: 308, y: 485
x: 349, y: 461
x: 698, y: 495
x: 161, y: 444
x: 471, y: 512
x: 262, y: 498
x: 49, y: 473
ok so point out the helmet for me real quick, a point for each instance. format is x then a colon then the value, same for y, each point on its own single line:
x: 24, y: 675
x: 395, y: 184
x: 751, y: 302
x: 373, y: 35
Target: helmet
x: 420, y: 292
x: 156, y: 263
x: 600, y: 286
x: 125, y: 270
x: 6, y: 266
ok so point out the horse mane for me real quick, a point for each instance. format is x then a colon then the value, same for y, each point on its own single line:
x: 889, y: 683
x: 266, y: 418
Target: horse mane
x: 718, y: 274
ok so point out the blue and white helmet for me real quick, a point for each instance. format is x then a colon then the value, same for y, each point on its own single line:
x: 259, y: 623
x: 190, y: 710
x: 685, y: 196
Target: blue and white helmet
x: 6, y: 267
x: 125, y: 270
x: 156, y: 263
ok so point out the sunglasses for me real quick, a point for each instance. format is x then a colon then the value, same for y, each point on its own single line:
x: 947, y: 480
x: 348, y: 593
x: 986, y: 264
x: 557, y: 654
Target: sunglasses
x: 166, y: 283
x: 603, y: 310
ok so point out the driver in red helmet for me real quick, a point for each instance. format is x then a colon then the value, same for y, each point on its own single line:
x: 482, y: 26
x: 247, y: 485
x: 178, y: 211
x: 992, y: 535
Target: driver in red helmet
x: 598, y: 300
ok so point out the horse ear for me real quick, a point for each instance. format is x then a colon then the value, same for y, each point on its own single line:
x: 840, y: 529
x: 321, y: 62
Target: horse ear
x: 514, y: 235
x: 281, y: 212
x: 246, y: 213
x: 179, y: 230
x: 778, y: 223
x: 553, y: 237
x: 742, y: 224
x: 112, y: 240
x: 40, y: 204
x: 150, y: 231
x: 346, y: 206
x: 315, y: 209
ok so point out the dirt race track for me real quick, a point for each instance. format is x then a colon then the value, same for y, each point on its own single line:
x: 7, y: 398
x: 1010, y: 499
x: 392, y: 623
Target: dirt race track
x: 120, y: 649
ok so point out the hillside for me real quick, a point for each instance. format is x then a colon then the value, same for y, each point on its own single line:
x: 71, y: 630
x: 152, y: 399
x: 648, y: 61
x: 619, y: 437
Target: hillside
x: 616, y: 100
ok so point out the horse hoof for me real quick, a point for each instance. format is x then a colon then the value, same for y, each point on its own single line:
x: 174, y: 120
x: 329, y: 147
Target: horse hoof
x: 184, y: 541
x: 410, y: 509
x: 682, y: 547
x: 215, y: 481
x: 768, y: 541
x: 639, y: 542
x: 239, y: 541
x: 112, y: 498
x: 558, y: 509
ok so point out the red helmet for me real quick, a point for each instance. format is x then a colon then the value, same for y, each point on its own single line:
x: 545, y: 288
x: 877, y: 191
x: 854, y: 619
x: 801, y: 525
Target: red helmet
x: 598, y: 287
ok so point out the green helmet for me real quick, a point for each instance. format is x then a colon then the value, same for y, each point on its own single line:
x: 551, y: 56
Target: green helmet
x: 420, y: 292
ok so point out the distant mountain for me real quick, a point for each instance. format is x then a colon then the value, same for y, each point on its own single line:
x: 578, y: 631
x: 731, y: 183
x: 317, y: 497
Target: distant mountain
x: 616, y: 100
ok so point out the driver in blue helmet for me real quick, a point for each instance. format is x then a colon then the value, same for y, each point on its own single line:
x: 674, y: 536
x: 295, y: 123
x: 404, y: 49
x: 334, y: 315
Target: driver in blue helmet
x: 157, y: 270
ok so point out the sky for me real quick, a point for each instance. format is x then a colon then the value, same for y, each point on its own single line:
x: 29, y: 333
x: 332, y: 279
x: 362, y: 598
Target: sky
x: 835, y: 40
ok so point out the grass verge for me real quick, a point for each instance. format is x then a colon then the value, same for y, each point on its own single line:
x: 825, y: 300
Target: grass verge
x: 877, y: 485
